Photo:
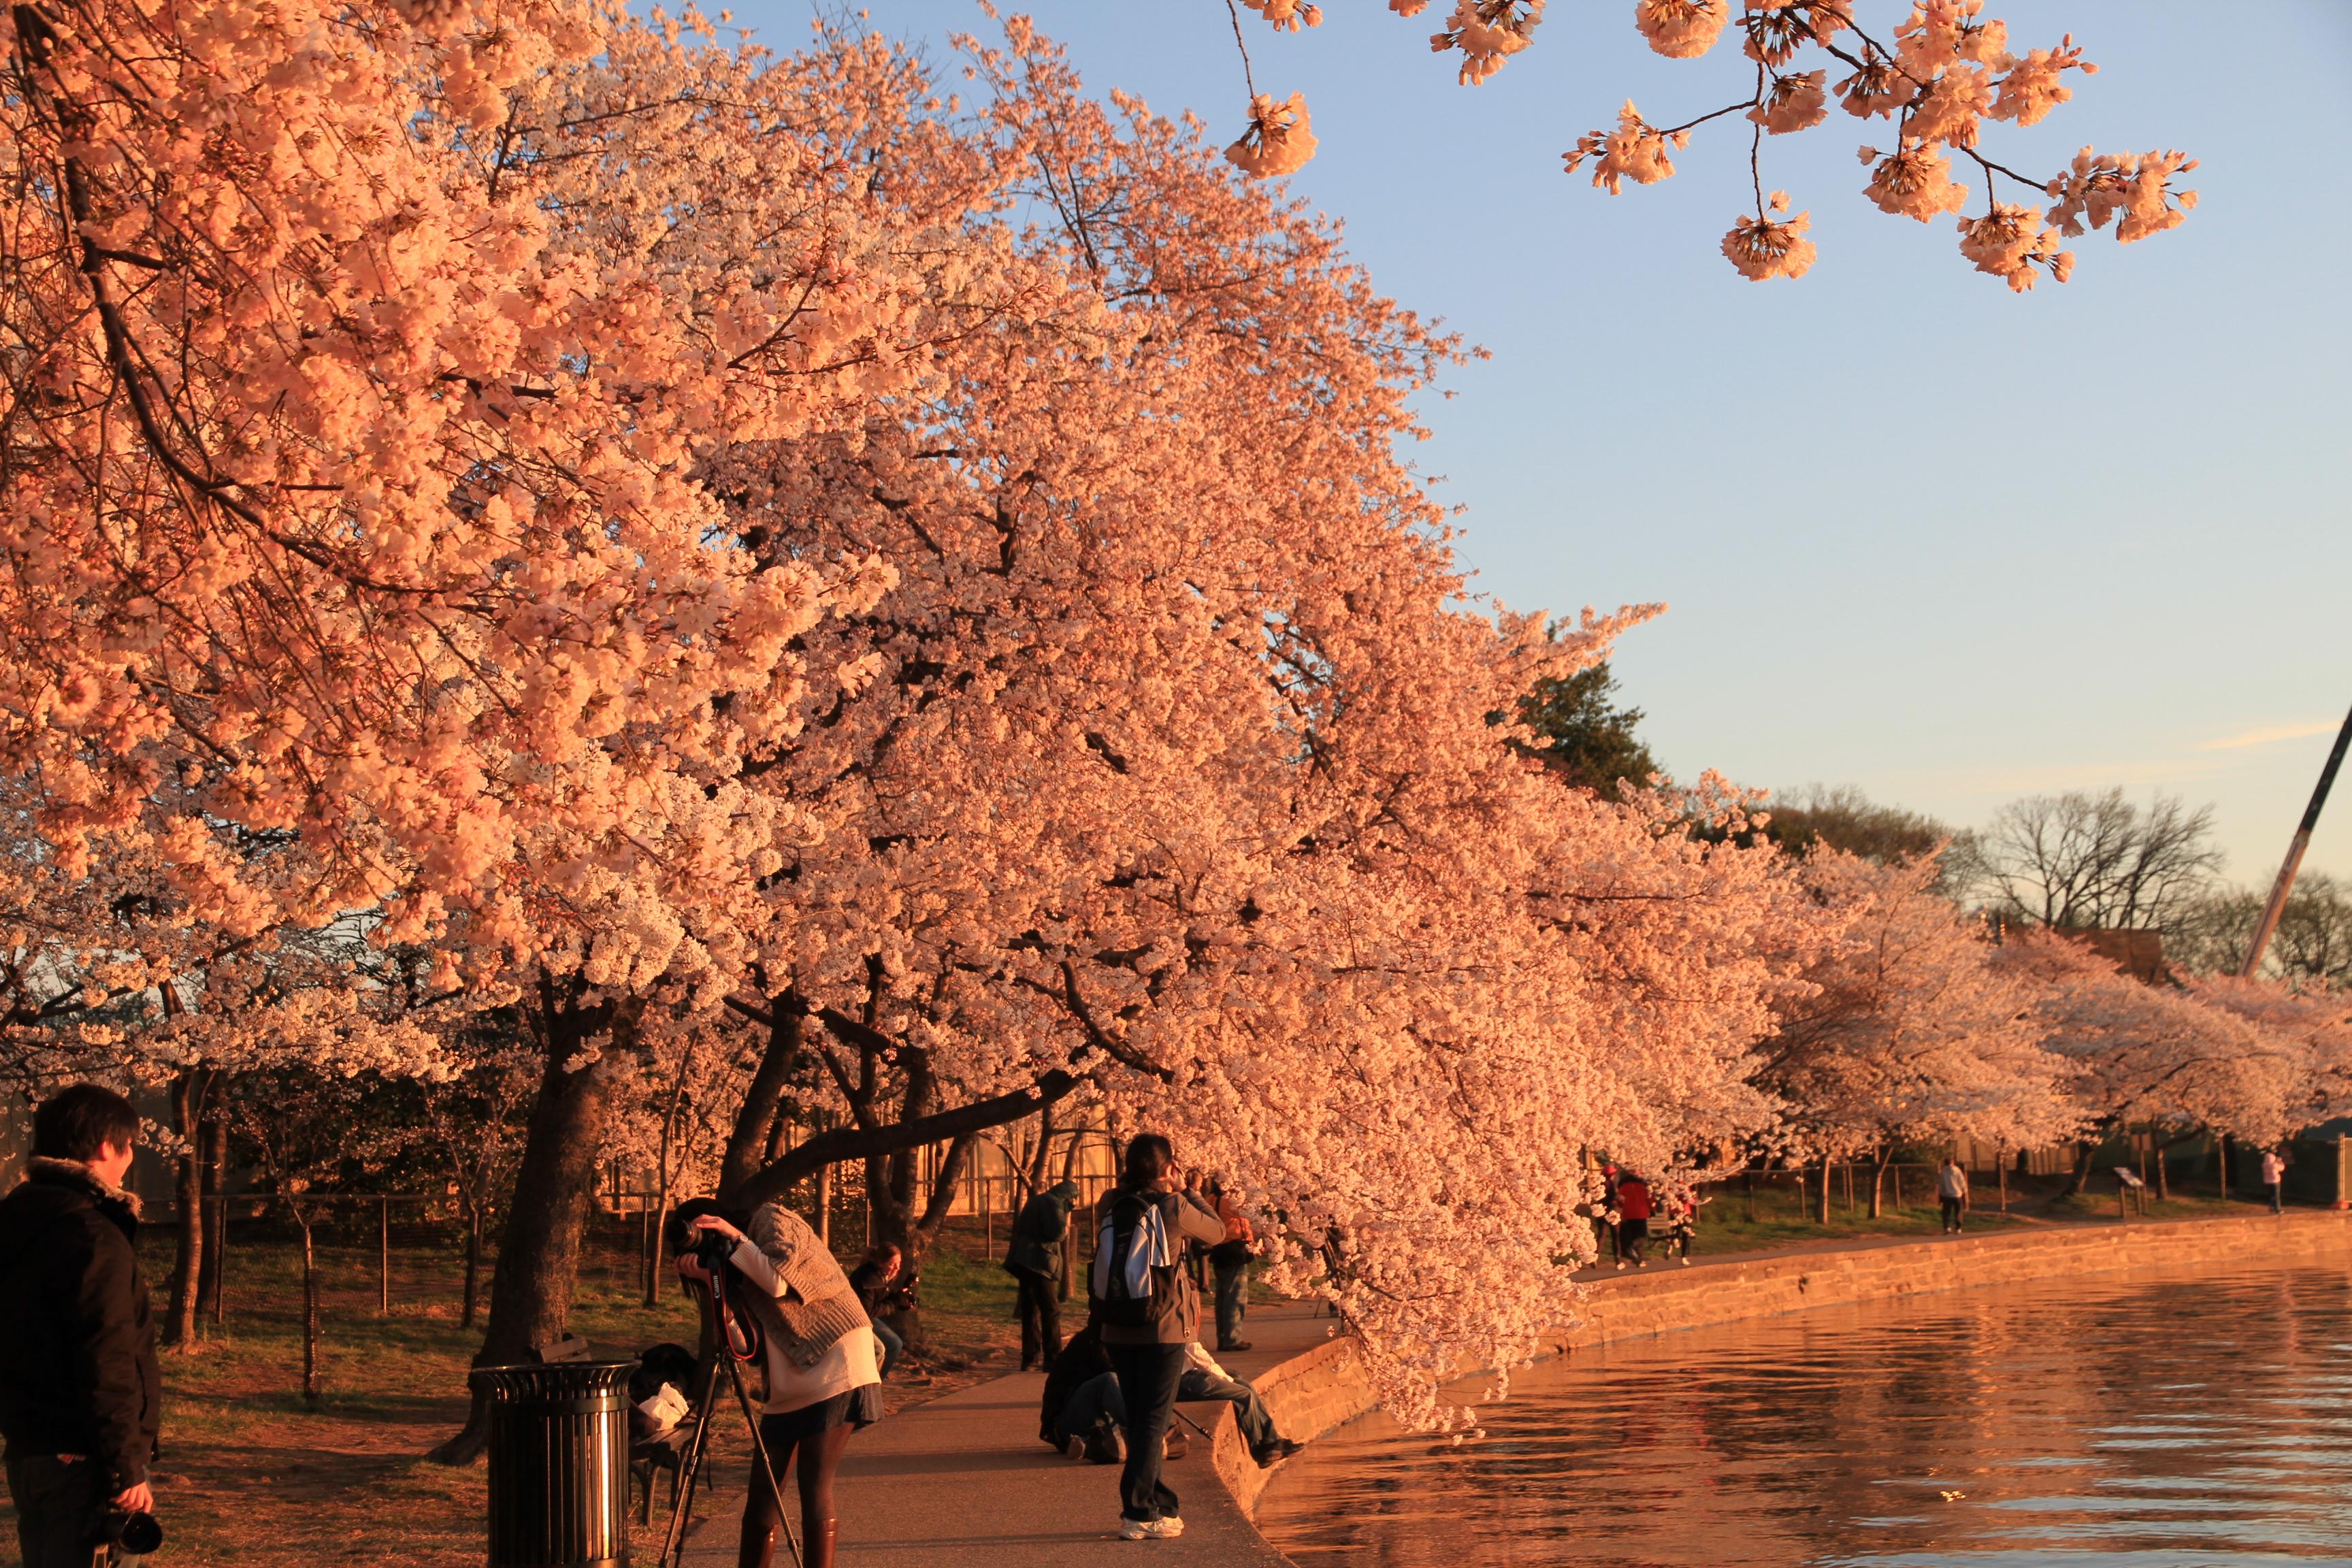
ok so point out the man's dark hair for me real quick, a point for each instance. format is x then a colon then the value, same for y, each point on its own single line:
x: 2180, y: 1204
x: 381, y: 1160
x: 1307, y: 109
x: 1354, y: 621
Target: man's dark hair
x: 1149, y: 1157
x: 77, y: 1120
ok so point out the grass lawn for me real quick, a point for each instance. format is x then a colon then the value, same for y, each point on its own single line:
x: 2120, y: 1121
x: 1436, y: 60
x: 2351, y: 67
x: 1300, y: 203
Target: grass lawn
x: 249, y: 1478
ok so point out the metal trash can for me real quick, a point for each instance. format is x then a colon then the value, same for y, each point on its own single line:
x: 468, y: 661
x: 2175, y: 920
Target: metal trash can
x: 559, y: 1452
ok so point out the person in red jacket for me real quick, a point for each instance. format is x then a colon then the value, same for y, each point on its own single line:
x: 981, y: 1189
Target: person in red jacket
x: 1632, y: 1219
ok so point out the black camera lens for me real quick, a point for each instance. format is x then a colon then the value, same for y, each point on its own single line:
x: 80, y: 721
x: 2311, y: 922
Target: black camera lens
x: 136, y: 1534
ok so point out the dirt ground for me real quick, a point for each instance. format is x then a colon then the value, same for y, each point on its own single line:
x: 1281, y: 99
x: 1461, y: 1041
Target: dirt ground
x: 250, y: 1477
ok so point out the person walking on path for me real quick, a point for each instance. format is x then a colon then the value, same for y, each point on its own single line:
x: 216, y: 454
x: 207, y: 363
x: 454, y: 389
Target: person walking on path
x: 1632, y: 1219
x: 1147, y: 1311
x: 80, y: 1393
x: 2274, y: 1178
x: 1230, y: 1259
x: 1682, y: 1228
x: 1033, y: 1257
x: 1952, y: 1194
x: 817, y: 1348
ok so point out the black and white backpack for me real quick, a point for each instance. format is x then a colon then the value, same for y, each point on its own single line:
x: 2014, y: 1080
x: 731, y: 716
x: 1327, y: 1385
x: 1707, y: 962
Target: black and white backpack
x: 1134, y: 1283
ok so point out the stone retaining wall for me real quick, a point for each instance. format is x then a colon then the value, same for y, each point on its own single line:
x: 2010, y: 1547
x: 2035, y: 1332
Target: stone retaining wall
x: 1313, y: 1392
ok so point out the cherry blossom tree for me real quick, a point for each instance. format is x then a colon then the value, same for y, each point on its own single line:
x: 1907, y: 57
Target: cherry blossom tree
x: 1938, y: 77
x: 2155, y: 1055
x: 1911, y: 1032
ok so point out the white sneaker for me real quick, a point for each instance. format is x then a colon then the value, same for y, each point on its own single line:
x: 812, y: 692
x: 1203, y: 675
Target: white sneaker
x: 1621, y: 1263
x: 1165, y: 1529
x: 1686, y: 1263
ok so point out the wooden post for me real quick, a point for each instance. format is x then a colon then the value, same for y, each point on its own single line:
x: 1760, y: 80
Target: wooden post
x: 988, y: 1215
x: 384, y: 1257
x: 220, y: 1262
x: 310, y: 1385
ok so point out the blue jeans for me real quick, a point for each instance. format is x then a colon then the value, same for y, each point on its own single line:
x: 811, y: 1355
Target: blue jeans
x: 894, y: 1346
x: 1148, y: 1375
x: 1249, y: 1410
x: 1233, y: 1301
x: 1089, y: 1405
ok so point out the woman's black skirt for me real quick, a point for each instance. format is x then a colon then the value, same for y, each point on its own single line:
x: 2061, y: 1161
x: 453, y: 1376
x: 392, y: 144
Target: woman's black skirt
x: 858, y: 1407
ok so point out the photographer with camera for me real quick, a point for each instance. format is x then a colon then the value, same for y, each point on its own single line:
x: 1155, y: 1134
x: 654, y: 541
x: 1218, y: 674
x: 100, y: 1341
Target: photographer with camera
x: 778, y: 1302
x: 1147, y: 1314
x: 81, y: 1393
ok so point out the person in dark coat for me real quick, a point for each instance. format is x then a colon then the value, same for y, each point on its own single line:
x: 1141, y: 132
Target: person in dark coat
x: 875, y: 1280
x: 1033, y: 1257
x: 81, y: 1393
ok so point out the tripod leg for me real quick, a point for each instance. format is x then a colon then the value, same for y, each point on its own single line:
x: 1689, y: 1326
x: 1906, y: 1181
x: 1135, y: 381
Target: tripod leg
x: 759, y: 1457
x: 681, y: 1492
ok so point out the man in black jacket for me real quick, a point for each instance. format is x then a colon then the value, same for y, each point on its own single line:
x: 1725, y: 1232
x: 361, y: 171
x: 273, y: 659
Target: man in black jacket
x: 1033, y: 1258
x: 81, y: 1393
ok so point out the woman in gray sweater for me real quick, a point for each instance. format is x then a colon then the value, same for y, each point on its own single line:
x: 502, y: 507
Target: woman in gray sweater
x: 818, y: 1378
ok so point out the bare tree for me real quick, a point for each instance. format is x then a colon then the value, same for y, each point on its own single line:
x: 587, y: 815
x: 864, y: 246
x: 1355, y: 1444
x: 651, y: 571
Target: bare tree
x: 2091, y: 861
x: 2314, y: 939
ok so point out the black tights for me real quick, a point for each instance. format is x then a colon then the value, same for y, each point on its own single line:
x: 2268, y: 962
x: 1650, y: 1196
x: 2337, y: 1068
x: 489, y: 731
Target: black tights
x: 820, y: 1458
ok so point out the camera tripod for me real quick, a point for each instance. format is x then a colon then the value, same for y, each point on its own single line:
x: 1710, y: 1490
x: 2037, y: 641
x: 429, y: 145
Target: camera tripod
x: 681, y: 1503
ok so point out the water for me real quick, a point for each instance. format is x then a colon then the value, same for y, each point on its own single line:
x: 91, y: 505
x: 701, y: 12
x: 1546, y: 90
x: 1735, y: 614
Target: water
x: 2117, y: 1421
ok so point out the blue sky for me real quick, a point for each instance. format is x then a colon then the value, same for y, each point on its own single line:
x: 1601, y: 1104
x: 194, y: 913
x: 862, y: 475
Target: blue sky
x: 1917, y: 534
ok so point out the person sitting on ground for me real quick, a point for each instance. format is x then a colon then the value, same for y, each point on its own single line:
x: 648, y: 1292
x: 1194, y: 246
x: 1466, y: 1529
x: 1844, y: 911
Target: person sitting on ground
x: 1204, y: 1379
x: 1081, y: 1413
x: 1033, y: 1256
x: 872, y: 1280
x: 1632, y: 1219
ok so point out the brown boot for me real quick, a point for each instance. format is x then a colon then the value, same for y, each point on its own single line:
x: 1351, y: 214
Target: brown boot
x: 816, y: 1551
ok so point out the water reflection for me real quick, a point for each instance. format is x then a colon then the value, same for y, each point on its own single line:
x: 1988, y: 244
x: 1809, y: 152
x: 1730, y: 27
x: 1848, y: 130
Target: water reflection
x: 2126, y: 1421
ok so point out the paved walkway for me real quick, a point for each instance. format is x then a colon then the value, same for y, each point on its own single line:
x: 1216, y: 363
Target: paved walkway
x: 965, y: 1479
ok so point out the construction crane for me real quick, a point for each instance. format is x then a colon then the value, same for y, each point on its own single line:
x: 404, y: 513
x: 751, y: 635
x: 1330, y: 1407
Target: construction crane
x: 2285, y: 883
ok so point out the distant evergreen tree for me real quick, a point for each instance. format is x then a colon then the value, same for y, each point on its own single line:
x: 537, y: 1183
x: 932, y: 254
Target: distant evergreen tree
x: 1592, y: 740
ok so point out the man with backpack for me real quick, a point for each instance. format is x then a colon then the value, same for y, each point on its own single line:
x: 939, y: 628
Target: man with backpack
x: 1034, y: 1257
x: 1147, y: 1314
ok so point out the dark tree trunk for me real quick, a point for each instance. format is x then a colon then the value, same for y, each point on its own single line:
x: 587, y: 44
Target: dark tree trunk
x: 539, y: 1257
x: 2081, y: 1181
x: 1878, y: 1184
x: 473, y: 1265
x: 189, y: 1093
x: 1822, y: 1214
x: 214, y: 1161
x: 748, y: 1140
